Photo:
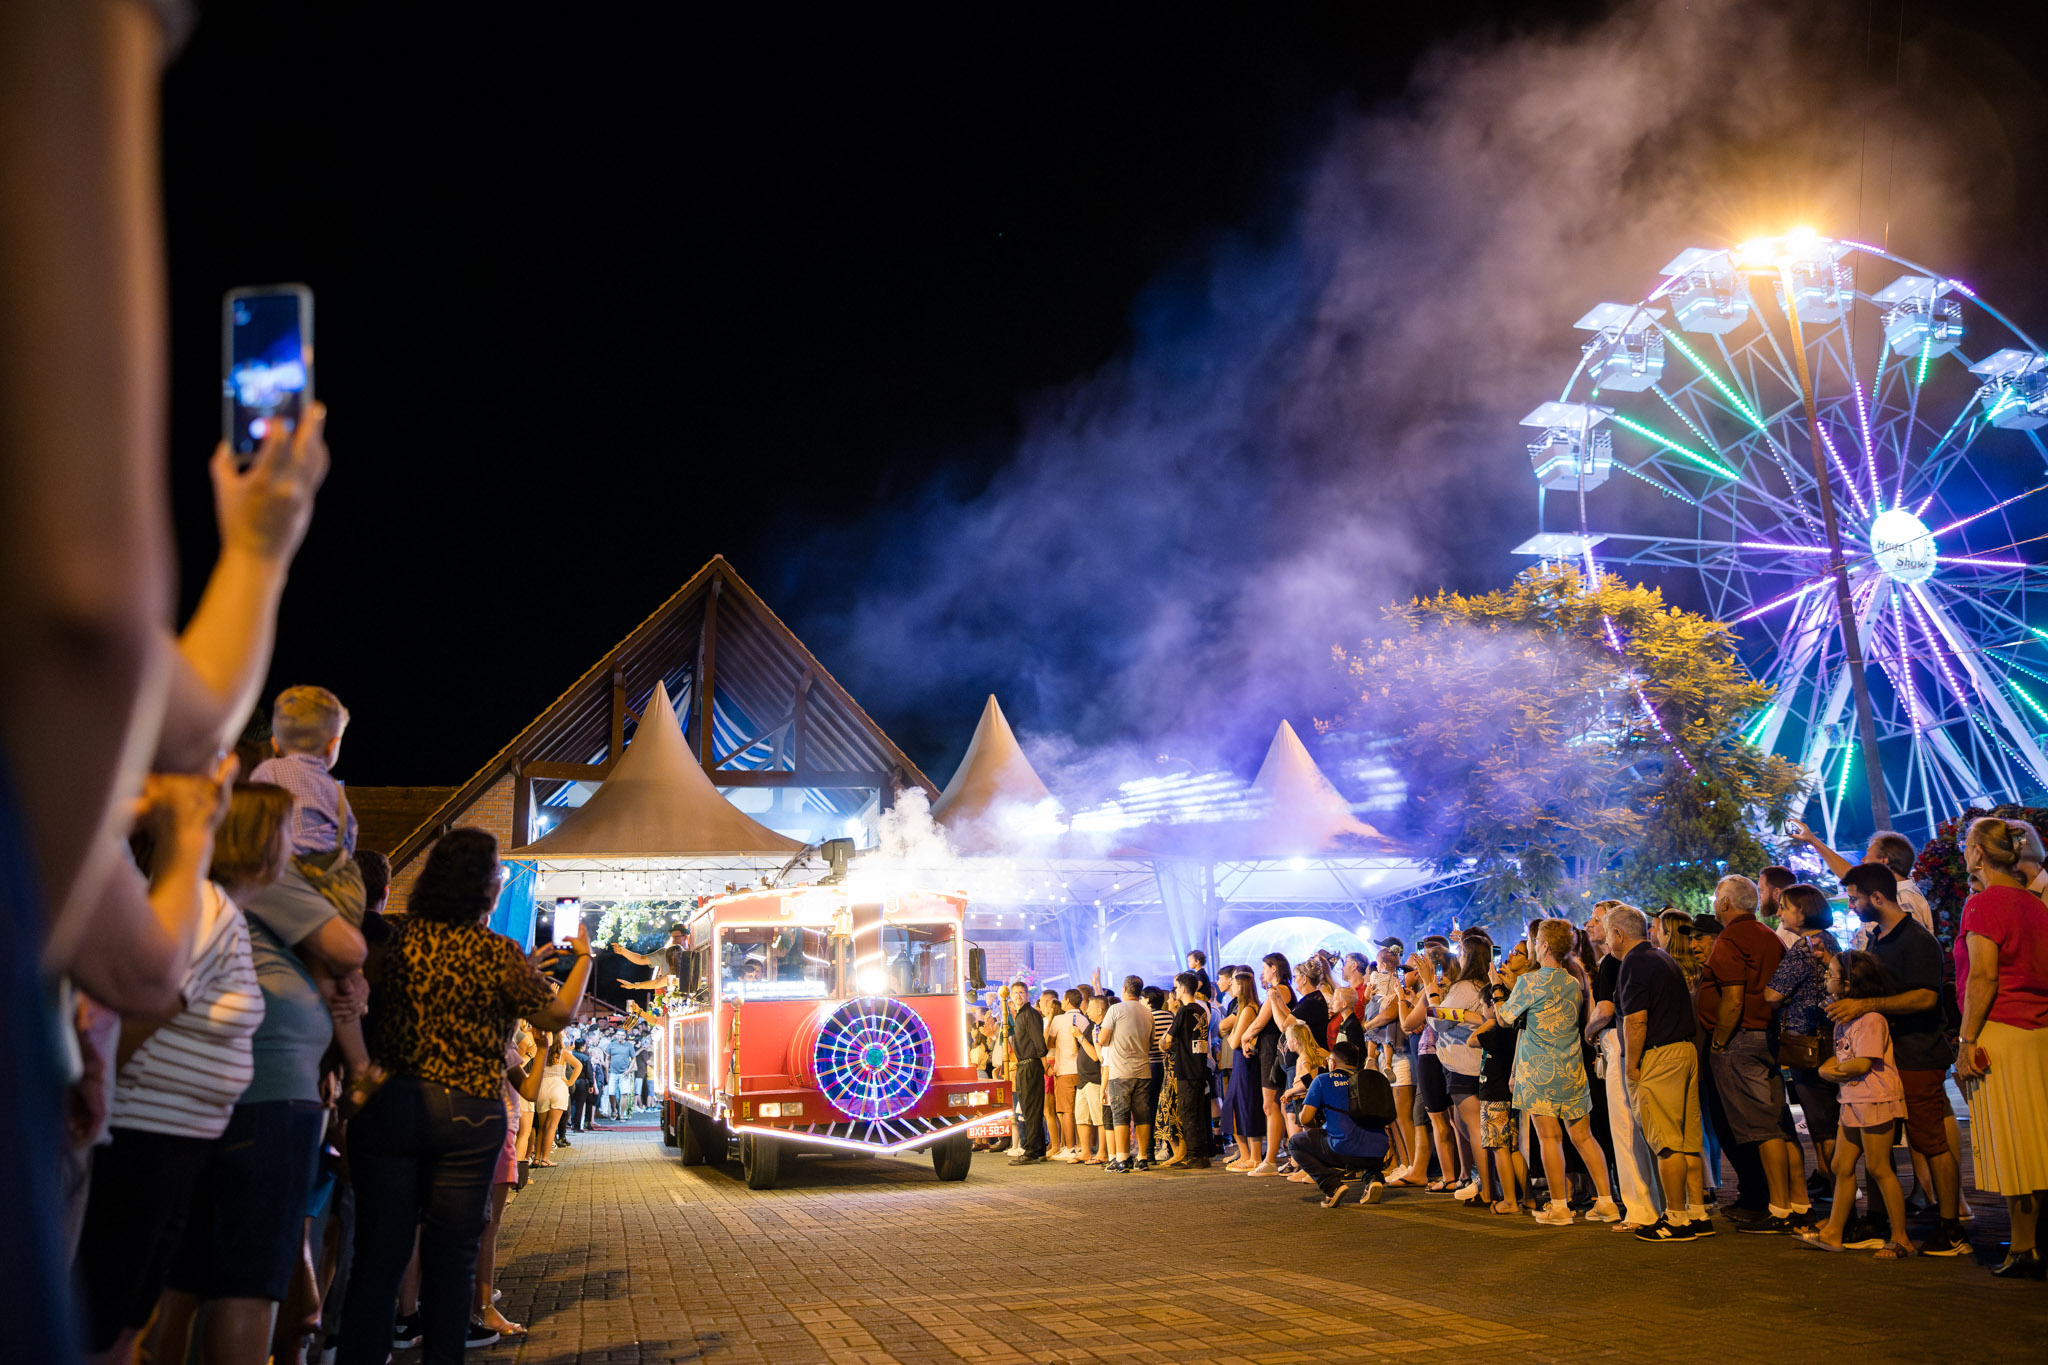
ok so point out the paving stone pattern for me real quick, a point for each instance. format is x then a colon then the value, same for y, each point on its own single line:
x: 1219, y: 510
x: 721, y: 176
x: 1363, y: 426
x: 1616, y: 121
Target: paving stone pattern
x: 622, y: 1255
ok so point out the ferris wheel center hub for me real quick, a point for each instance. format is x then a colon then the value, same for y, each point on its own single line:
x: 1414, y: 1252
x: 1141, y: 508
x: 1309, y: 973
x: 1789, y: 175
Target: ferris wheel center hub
x: 1902, y: 546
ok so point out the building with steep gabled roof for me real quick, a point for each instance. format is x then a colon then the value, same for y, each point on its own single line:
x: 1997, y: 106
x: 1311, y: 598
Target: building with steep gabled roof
x: 768, y: 726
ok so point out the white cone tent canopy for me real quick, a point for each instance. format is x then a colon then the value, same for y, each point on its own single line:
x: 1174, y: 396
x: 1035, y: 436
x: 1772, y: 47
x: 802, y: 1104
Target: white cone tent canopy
x: 1304, y: 813
x: 994, y: 779
x: 657, y: 803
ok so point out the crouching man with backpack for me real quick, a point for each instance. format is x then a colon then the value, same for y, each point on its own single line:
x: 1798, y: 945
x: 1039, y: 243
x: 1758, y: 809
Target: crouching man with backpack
x: 1344, y: 1120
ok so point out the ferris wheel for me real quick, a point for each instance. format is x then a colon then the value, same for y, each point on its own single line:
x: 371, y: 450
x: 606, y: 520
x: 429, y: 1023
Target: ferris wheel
x: 1687, y: 447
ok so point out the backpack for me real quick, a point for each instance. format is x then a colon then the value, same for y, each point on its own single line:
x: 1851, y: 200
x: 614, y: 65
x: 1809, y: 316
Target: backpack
x: 1370, y: 1099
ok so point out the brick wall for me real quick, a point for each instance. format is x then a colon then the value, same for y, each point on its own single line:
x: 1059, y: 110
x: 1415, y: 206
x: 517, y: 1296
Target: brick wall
x: 492, y: 811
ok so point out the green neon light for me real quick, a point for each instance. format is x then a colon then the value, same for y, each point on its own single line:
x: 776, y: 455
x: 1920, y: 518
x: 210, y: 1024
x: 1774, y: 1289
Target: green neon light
x: 1842, y: 786
x: 1726, y: 390
x: 1639, y: 429
x: 2038, y: 631
x: 2025, y: 697
x: 1926, y: 353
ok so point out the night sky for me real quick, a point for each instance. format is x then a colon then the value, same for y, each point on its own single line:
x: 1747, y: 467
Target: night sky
x: 603, y: 294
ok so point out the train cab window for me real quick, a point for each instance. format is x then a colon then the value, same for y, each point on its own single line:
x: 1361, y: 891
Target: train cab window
x: 771, y: 963
x: 919, y: 959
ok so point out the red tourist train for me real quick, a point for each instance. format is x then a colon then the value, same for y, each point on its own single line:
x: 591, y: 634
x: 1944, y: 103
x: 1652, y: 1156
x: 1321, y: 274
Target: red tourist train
x: 816, y: 1019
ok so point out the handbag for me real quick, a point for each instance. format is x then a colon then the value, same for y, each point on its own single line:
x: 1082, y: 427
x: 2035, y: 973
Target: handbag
x: 1800, y: 1051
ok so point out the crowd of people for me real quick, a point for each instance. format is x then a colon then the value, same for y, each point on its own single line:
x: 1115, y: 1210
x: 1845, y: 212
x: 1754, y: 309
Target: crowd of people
x: 1649, y: 1071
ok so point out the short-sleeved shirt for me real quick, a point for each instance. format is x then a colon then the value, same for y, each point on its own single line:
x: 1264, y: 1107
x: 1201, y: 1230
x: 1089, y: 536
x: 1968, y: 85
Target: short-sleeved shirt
x: 1162, y: 1024
x: 619, y: 1056
x: 1606, y: 978
x: 1866, y: 1036
x: 1650, y: 982
x: 1803, y: 980
x: 450, y: 997
x: 1087, y: 1069
x: 1913, y: 958
x: 1330, y: 1093
x: 296, y: 1027
x: 1745, y: 954
x: 2018, y: 924
x: 1454, y: 1046
x: 1063, y: 1033
x: 187, y: 1076
x: 316, y: 802
x: 1128, y: 1053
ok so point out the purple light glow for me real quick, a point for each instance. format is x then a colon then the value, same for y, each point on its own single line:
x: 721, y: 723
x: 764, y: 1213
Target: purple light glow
x: 1789, y: 549
x: 1792, y: 596
x: 1934, y: 642
x: 1986, y: 563
x: 1828, y: 440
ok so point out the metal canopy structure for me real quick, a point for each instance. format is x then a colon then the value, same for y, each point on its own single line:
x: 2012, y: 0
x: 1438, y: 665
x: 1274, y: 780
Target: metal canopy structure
x: 763, y: 719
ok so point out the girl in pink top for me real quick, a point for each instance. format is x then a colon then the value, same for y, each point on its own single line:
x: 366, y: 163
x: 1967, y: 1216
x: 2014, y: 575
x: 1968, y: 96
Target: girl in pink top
x: 1873, y: 1101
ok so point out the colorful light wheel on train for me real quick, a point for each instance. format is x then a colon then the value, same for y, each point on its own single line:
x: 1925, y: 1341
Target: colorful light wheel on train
x: 873, y: 1057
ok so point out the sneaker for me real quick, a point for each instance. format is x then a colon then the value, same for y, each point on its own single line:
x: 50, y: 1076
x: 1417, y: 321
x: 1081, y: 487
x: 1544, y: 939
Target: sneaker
x: 480, y: 1335
x: 1115, y: 1165
x: 1026, y: 1160
x: 1737, y: 1214
x: 1946, y: 1240
x: 1556, y: 1215
x: 1264, y: 1168
x: 1863, y: 1235
x: 1804, y: 1220
x: 1603, y: 1211
x: 1767, y: 1226
x: 405, y: 1332
x: 1466, y: 1193
x: 1144, y: 1163
x: 1336, y: 1196
x: 1374, y: 1192
x: 1702, y: 1227
x: 1664, y: 1230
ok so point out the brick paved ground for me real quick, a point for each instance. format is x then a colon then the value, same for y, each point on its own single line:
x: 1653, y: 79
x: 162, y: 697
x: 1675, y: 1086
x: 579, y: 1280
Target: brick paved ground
x: 622, y: 1255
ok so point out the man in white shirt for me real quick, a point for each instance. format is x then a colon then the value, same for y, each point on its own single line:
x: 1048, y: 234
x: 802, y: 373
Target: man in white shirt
x: 1886, y: 848
x: 1063, y: 1035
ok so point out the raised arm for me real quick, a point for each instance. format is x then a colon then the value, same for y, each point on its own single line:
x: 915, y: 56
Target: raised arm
x: 224, y: 651
x: 559, y: 1012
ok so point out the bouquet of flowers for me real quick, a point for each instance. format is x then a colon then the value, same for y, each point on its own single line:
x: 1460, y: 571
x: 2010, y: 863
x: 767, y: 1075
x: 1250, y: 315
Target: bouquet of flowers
x: 1939, y: 868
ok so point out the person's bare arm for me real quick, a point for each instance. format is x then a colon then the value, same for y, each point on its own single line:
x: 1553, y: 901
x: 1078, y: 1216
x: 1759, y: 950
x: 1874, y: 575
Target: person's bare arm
x: 1837, y: 864
x: 1600, y: 1020
x: 627, y: 953
x: 1250, y: 1032
x: 1980, y: 988
x: 1906, y: 1002
x: 558, y: 1013
x: 224, y: 651
x: 1635, y: 1031
x: 141, y: 964
x: 1730, y: 1017
x: 336, y: 945
x: 85, y: 561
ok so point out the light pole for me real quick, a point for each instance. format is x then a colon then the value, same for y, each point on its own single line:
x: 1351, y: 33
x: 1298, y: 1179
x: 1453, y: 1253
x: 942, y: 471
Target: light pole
x: 1852, y: 646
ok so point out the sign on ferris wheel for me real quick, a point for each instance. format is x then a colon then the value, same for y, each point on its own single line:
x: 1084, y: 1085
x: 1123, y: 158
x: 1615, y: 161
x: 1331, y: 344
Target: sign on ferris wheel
x: 1681, y: 451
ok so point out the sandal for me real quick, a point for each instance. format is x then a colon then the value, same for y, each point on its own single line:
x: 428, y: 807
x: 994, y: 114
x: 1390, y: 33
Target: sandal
x: 1814, y: 1240
x: 1437, y: 1186
x: 1895, y: 1251
x: 1505, y: 1208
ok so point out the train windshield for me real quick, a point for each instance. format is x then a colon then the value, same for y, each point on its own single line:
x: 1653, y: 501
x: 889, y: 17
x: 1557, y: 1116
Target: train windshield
x: 920, y: 959
x: 773, y: 963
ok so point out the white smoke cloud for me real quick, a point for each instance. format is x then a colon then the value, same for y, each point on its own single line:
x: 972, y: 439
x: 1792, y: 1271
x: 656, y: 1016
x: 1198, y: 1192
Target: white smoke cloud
x: 1329, y: 424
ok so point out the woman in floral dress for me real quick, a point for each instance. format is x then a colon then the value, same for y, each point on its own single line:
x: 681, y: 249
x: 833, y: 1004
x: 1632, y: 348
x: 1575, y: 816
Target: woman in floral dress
x: 1550, y: 1069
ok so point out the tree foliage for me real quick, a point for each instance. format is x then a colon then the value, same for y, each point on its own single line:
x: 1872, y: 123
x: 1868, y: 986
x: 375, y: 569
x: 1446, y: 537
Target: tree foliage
x: 1569, y: 739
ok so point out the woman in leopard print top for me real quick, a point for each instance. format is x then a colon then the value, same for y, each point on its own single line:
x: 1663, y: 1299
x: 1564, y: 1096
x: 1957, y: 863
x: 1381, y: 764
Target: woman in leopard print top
x: 423, y: 1150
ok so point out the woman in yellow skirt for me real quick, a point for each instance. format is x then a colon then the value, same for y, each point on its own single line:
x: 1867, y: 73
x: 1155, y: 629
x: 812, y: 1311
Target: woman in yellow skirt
x: 2001, y: 956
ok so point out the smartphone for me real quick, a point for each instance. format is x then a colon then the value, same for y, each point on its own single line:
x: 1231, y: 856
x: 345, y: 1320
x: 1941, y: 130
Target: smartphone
x: 266, y: 363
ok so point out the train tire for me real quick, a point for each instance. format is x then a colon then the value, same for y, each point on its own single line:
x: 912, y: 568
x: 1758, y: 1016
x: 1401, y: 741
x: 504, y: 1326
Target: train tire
x: 951, y: 1158
x: 669, y: 1123
x: 692, y: 1132
x: 760, y: 1160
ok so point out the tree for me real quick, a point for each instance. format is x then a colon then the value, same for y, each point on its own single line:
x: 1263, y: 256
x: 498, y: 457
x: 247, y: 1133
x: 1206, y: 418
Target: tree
x: 1567, y: 739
